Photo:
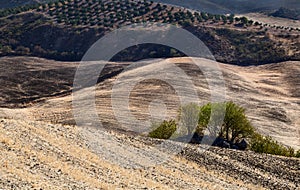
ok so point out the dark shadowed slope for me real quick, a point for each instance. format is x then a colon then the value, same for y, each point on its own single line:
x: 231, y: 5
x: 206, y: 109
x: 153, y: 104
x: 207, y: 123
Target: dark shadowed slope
x: 233, y: 6
x: 16, y: 3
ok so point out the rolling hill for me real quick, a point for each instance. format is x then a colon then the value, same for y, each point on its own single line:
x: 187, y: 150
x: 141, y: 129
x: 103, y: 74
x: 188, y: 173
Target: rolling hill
x: 269, y: 92
x: 72, y: 27
x: 287, y: 13
x: 56, y: 134
x: 41, y: 147
x: 51, y: 156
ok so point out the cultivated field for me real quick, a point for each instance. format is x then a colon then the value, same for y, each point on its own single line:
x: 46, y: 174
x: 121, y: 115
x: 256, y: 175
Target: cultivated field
x: 41, y: 146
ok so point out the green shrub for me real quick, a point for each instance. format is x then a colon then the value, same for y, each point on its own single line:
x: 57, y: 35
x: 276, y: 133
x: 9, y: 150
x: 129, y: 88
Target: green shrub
x: 267, y: 145
x: 235, y: 124
x: 204, y: 118
x: 164, y: 130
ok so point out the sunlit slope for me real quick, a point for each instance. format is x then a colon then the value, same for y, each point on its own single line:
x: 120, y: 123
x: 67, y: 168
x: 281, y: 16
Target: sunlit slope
x: 269, y: 93
x: 42, y: 155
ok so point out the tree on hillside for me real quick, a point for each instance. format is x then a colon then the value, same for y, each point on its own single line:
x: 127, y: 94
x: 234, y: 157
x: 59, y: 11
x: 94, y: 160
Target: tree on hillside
x: 244, y: 20
x: 188, y: 117
x: 231, y: 18
x: 204, y: 16
x: 224, y: 18
x: 235, y: 124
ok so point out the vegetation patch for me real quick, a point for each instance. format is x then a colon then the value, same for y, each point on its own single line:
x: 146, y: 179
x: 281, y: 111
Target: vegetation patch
x: 235, y: 132
x: 164, y: 130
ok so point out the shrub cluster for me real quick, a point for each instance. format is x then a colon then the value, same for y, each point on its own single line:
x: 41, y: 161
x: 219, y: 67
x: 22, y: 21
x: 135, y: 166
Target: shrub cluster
x: 262, y: 144
x: 234, y: 127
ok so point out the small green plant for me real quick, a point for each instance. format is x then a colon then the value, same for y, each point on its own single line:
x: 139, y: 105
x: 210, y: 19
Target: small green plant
x: 163, y: 130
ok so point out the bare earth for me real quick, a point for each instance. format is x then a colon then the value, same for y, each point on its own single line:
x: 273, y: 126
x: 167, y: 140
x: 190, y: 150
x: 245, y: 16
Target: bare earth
x: 41, y: 146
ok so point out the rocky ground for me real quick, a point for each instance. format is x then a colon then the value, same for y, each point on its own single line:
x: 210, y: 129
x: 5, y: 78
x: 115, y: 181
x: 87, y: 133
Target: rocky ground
x: 40, y: 155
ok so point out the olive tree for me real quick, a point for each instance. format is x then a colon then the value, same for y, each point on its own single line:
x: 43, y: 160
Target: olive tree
x: 235, y: 124
x: 188, y: 116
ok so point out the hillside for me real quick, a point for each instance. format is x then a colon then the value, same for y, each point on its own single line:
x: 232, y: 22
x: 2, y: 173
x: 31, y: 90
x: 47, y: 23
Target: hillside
x: 287, y: 13
x: 51, y: 156
x: 38, y: 151
x: 15, y: 3
x: 211, y: 6
x: 72, y: 27
x: 269, y: 93
x: 272, y: 21
x: 72, y: 120
x: 233, y: 6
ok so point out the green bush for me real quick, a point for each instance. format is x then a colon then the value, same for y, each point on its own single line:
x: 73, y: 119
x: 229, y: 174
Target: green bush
x: 267, y: 145
x: 204, y: 118
x: 235, y: 124
x: 164, y: 130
